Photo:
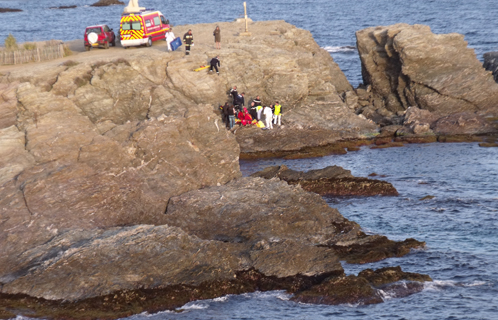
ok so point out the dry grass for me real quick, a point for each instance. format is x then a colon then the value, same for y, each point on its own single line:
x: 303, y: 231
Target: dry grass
x: 29, y: 46
x: 67, y: 51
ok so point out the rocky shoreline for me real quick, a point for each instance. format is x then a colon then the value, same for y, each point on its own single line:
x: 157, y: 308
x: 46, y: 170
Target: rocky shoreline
x: 121, y: 192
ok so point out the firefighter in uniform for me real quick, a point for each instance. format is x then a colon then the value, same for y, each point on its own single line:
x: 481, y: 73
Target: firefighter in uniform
x: 188, y: 39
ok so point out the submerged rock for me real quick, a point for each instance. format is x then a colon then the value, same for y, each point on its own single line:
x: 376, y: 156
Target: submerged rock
x: 332, y: 181
x: 368, y: 287
x: 340, y: 290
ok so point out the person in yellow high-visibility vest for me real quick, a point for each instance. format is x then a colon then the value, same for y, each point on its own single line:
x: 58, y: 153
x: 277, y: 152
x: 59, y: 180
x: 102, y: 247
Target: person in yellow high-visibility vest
x: 278, y: 113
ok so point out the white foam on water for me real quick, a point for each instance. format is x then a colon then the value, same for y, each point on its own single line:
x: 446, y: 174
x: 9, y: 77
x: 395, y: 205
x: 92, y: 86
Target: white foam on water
x: 475, y: 284
x: 265, y: 295
x: 386, y: 295
x: 340, y: 49
x: 195, y: 306
x: 221, y: 299
x: 284, y: 296
x: 149, y: 315
x: 438, y: 285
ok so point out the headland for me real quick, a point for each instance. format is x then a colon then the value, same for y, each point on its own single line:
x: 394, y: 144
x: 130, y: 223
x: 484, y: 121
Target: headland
x: 120, y: 188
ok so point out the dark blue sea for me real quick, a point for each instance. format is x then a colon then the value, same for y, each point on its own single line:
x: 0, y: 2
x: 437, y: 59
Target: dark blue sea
x: 459, y: 224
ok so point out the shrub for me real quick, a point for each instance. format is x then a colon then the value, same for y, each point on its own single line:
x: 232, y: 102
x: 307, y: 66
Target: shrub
x: 67, y: 51
x: 29, y: 46
x: 11, y: 43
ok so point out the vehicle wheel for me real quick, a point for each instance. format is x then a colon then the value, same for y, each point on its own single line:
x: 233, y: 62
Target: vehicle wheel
x: 149, y: 42
x: 113, y: 43
x: 87, y: 48
x: 106, y: 45
x: 125, y: 47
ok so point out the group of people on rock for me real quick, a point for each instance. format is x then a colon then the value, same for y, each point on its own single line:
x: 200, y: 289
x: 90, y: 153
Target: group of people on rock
x: 238, y: 113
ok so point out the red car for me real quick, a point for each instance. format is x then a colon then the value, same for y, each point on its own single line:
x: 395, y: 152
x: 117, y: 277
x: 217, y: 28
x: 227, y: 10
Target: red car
x: 99, y: 36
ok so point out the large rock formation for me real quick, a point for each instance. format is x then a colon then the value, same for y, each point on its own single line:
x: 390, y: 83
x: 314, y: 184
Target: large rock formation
x: 74, y: 160
x: 213, y: 234
x: 113, y: 173
x: 409, y: 66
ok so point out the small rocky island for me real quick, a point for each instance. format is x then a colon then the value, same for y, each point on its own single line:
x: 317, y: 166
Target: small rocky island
x: 121, y: 192
x: 105, y: 3
x: 3, y: 10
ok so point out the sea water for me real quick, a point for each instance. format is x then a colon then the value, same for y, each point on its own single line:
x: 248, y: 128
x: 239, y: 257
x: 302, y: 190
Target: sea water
x: 459, y: 224
x: 333, y: 23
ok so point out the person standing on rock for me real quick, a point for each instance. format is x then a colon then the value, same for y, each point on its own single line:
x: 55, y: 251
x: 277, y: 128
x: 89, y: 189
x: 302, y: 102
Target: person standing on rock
x: 240, y: 101
x: 278, y: 113
x: 215, y: 63
x: 234, y: 94
x: 257, y: 101
x: 225, y: 115
x: 231, y: 116
x: 217, y: 37
x: 252, y: 111
x: 169, y: 37
x: 268, y: 117
x: 259, y: 109
x: 188, y: 39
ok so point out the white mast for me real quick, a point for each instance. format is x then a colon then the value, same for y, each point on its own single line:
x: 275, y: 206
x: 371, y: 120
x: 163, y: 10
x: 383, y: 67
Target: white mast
x: 133, y: 7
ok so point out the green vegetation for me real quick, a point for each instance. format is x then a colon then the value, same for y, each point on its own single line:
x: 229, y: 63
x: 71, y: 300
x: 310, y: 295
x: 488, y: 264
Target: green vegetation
x: 29, y: 46
x: 11, y: 43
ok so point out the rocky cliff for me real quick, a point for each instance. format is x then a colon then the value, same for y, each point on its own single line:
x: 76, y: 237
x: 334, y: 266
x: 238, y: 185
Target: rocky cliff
x: 117, y: 175
x: 409, y: 67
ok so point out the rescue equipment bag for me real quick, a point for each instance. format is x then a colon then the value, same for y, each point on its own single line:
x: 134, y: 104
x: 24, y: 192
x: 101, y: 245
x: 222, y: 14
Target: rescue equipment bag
x: 175, y: 44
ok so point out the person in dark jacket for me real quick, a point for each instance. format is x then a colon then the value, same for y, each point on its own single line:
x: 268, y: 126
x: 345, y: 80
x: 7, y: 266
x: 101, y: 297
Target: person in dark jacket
x: 252, y: 111
x: 217, y: 37
x: 234, y: 94
x: 188, y: 39
x: 240, y: 101
x: 215, y: 63
x: 257, y: 101
x: 225, y: 115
